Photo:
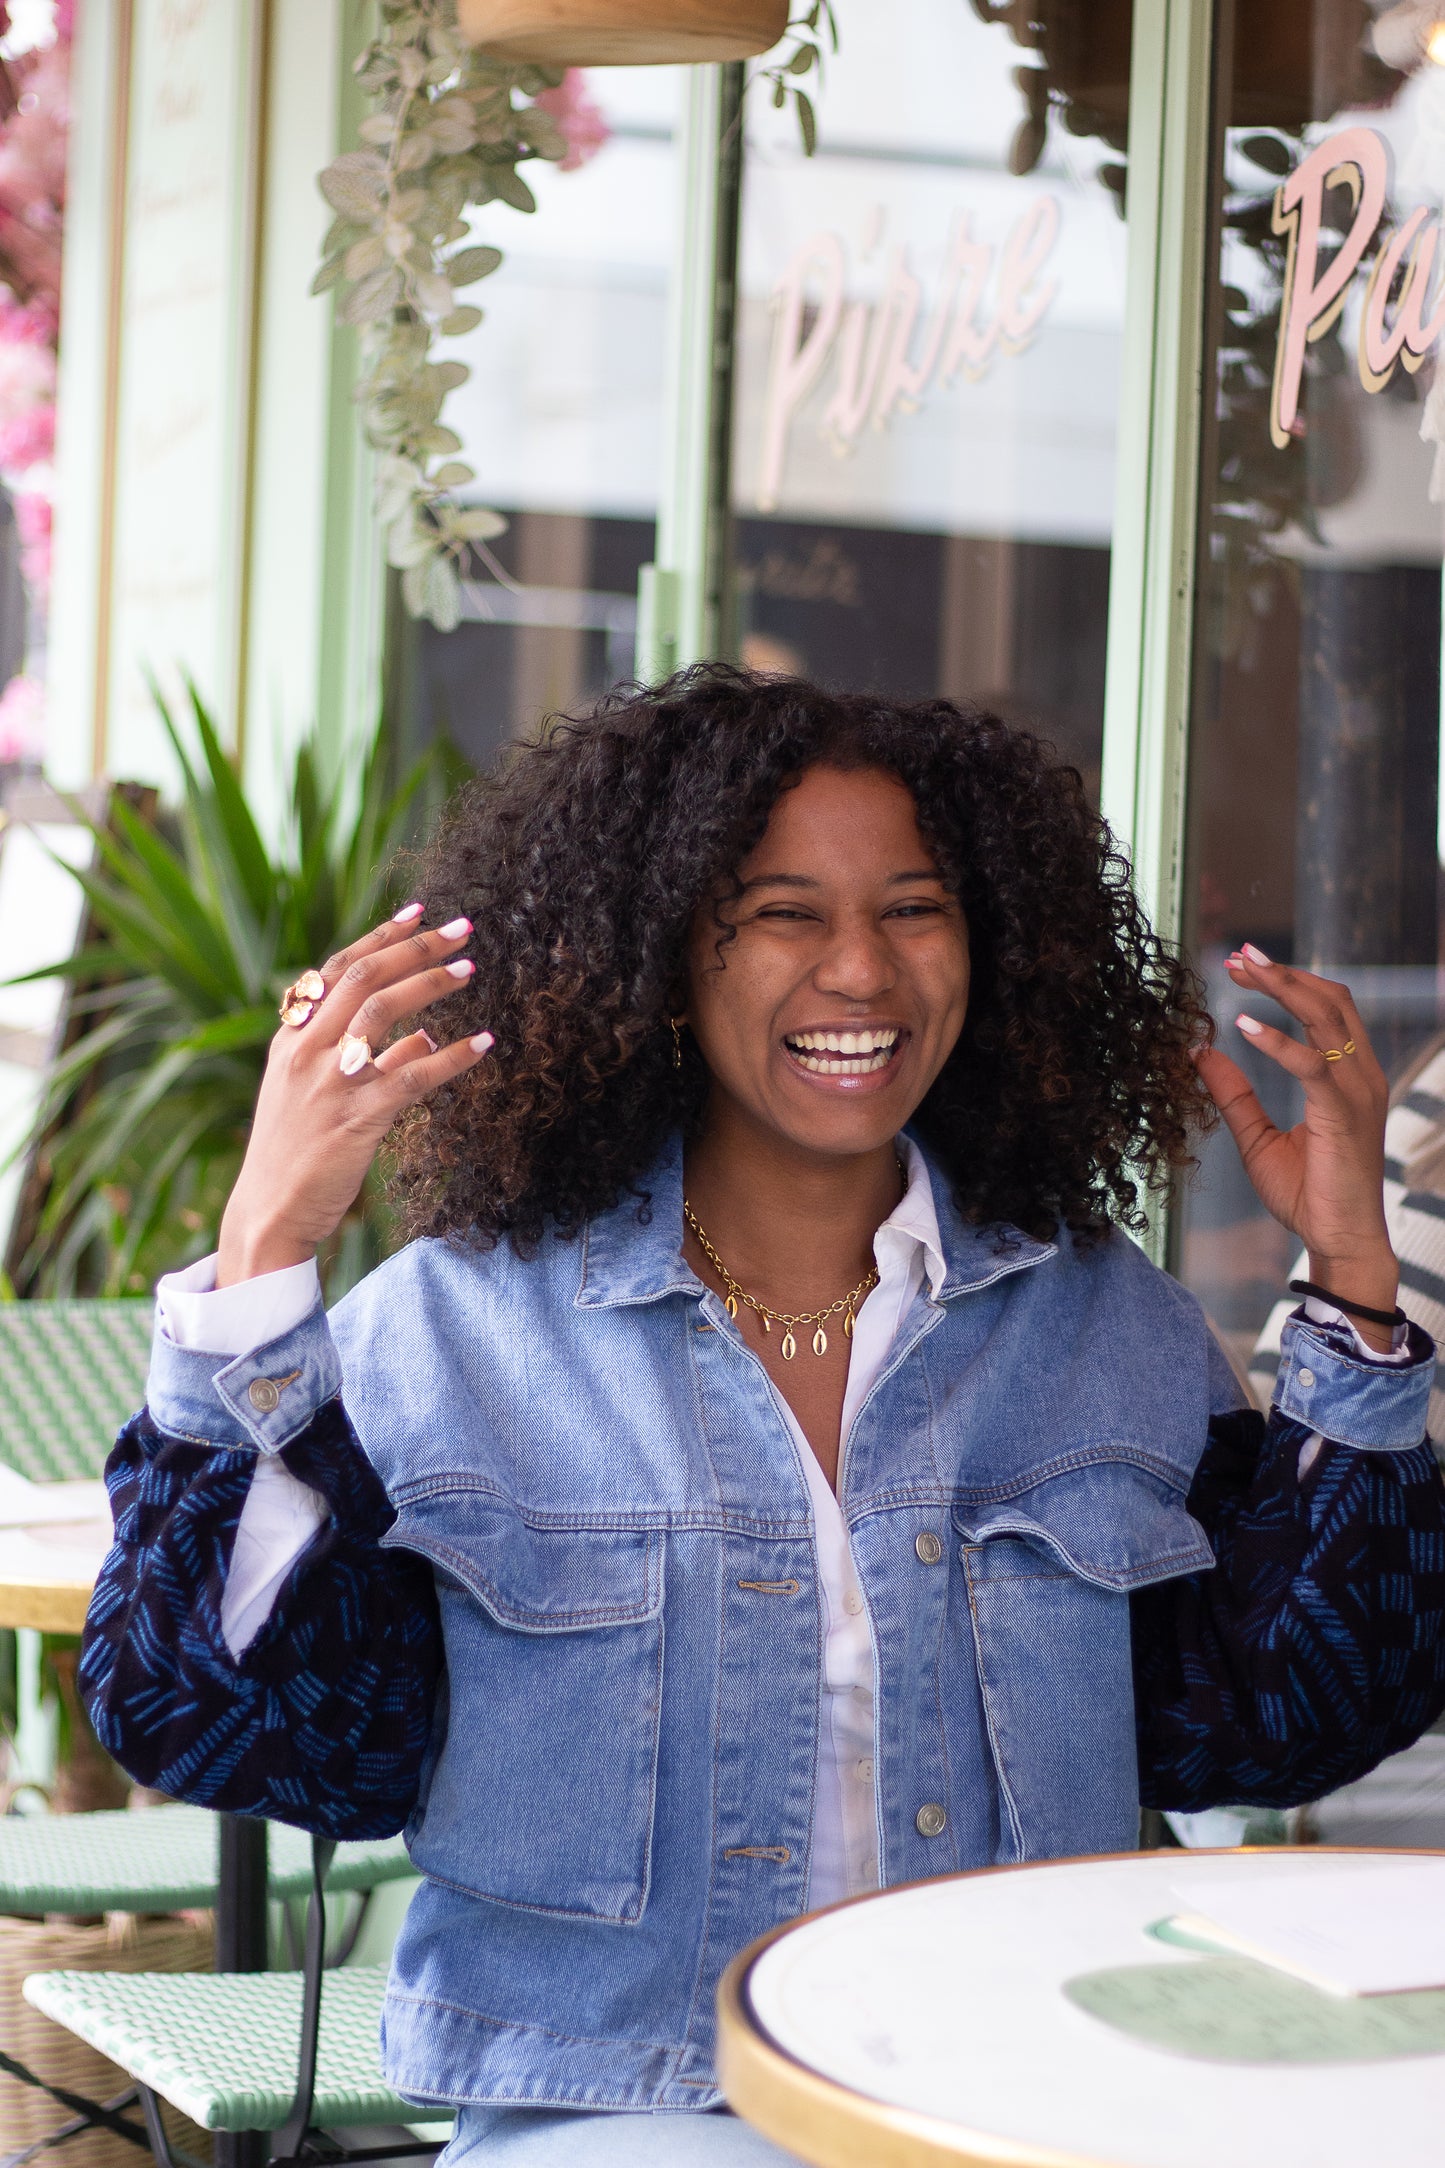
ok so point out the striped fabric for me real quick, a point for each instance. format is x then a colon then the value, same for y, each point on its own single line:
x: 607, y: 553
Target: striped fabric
x: 1415, y: 1214
x: 70, y: 1374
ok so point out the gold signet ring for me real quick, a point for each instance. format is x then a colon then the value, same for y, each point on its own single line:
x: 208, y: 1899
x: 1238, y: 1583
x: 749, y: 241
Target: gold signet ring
x: 1338, y: 1053
x: 298, y: 1003
x: 356, y: 1053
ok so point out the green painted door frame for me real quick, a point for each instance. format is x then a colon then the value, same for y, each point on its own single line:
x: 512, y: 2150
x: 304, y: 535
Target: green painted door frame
x: 683, y: 611
x: 1156, y: 511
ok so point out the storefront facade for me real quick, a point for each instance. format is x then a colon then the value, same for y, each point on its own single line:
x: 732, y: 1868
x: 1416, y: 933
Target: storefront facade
x: 1088, y: 369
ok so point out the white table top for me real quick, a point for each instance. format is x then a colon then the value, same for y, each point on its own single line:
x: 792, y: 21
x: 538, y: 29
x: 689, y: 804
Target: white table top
x: 1013, y: 2011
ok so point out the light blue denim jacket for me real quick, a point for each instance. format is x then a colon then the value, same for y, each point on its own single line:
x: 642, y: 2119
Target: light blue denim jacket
x: 618, y: 1793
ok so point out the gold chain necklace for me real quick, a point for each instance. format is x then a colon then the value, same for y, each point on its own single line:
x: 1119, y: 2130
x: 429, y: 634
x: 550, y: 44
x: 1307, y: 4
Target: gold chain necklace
x: 768, y: 1317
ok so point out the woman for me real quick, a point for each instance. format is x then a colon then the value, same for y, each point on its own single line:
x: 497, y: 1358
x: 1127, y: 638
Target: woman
x: 769, y: 1472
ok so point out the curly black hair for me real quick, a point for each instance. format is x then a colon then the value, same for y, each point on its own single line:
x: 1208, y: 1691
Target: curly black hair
x: 583, y: 859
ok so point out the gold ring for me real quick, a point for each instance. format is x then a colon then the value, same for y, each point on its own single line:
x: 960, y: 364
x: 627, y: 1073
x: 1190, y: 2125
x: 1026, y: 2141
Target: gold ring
x: 298, y: 1003
x: 355, y: 1052
x: 1338, y: 1053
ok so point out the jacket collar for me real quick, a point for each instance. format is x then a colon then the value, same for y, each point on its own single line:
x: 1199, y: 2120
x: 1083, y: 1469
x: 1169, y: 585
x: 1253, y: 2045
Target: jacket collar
x: 633, y: 1253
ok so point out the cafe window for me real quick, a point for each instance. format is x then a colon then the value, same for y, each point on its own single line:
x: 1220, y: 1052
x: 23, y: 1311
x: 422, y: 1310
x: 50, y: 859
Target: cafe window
x: 1314, y: 789
x: 561, y: 422
x: 928, y: 363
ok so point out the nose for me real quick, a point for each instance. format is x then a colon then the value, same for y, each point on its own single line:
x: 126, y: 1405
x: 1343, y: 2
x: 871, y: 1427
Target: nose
x: 857, y: 965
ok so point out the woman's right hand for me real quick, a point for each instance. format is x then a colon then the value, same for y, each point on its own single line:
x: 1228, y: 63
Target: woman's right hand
x: 316, y: 1131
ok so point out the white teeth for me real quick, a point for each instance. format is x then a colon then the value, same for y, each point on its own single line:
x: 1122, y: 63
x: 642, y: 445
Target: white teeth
x: 846, y: 1043
x: 844, y: 1064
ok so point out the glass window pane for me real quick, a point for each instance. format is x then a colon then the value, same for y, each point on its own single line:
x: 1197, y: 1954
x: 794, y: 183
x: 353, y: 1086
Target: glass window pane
x: 1314, y: 798
x: 562, y: 422
x: 928, y: 362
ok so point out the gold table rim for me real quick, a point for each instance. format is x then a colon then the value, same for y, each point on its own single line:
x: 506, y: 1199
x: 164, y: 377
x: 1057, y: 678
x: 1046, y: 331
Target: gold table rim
x: 794, y: 2106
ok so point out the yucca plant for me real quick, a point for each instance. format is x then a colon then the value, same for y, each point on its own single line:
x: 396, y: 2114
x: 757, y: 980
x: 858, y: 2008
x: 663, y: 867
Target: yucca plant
x: 195, y: 934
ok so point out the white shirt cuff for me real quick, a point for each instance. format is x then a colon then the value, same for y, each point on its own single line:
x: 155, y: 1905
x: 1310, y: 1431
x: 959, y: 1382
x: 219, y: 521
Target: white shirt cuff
x: 195, y: 1313
x: 1325, y: 1313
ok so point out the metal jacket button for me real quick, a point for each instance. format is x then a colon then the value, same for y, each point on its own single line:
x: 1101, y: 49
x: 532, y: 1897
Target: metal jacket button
x: 263, y: 1396
x: 1306, y: 1378
x: 930, y: 1821
x: 928, y: 1547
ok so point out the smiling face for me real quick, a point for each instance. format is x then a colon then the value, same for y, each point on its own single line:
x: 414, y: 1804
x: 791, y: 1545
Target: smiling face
x: 844, y: 992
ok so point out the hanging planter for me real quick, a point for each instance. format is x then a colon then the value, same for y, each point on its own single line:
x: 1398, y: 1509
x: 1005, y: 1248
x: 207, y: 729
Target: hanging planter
x: 621, y: 33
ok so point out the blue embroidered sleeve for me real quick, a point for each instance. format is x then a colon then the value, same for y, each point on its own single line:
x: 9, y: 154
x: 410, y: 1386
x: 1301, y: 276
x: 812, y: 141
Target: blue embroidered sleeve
x: 325, y: 1719
x: 1316, y: 1646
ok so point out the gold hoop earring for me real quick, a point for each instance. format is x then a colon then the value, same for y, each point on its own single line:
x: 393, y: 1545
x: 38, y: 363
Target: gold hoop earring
x: 675, y: 1022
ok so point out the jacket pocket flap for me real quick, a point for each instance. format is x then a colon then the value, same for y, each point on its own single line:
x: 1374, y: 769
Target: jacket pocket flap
x: 537, y: 1580
x: 1109, y: 1522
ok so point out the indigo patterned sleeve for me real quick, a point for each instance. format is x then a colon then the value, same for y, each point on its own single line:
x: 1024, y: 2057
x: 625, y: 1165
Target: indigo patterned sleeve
x: 325, y: 1718
x: 1316, y: 1646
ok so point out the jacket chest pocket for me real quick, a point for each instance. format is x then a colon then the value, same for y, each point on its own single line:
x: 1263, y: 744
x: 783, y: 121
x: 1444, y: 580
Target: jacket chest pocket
x: 1048, y: 1575
x: 543, y: 1791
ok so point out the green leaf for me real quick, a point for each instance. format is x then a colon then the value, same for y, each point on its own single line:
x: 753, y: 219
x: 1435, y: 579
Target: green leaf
x: 807, y: 122
x: 471, y: 264
x: 511, y: 188
x: 354, y: 183
x: 1269, y: 152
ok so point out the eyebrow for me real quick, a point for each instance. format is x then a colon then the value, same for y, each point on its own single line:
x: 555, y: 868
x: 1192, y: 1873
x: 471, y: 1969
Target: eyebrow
x: 804, y: 880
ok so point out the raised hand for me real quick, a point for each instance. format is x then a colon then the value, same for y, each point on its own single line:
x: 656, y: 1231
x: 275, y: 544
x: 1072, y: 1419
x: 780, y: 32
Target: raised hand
x: 1324, y: 1179
x: 318, y: 1125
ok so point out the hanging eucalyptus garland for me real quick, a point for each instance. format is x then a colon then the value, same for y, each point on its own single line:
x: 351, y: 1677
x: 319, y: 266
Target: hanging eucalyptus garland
x: 448, y: 130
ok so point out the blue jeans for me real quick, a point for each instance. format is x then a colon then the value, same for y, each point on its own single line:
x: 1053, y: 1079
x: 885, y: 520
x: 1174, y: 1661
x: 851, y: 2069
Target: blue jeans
x: 565, y: 2138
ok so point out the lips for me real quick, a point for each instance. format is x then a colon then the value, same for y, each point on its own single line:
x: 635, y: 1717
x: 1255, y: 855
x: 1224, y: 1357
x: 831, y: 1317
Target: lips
x: 844, y: 1053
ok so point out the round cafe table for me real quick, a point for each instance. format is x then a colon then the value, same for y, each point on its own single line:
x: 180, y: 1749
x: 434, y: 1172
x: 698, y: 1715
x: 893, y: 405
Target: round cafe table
x: 1049, y: 2017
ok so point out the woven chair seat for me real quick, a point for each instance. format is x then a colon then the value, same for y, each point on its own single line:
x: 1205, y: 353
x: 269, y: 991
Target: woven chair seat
x: 161, y: 1860
x: 221, y: 2046
x: 70, y: 1374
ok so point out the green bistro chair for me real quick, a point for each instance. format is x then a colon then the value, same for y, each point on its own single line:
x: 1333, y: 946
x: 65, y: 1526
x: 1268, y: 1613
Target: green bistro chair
x: 70, y: 1375
x: 165, y: 1859
x: 293, y: 2054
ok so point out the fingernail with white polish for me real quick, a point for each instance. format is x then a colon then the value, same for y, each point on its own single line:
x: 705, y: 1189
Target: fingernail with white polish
x: 407, y: 912
x: 457, y: 928
x: 462, y: 967
x: 431, y: 1042
x: 1248, y: 1024
x: 1255, y: 955
x: 481, y: 1042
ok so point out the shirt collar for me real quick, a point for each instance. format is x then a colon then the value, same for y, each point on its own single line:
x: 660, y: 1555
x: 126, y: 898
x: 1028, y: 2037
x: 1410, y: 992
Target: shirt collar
x: 913, y: 1222
x: 634, y: 1254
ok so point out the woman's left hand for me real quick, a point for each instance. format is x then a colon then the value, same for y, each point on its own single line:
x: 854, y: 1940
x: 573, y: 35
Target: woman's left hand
x: 1324, y: 1179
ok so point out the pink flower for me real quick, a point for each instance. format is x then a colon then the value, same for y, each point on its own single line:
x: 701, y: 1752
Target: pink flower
x: 581, y: 120
x: 22, y: 719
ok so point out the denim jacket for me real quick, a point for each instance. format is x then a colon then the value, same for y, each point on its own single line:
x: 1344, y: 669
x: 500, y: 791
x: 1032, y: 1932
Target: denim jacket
x: 573, y: 1632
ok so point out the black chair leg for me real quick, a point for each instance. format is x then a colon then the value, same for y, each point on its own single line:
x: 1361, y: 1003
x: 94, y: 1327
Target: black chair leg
x: 160, y: 2144
x: 88, y: 2114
